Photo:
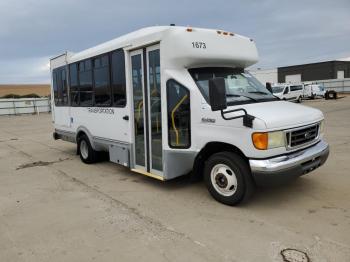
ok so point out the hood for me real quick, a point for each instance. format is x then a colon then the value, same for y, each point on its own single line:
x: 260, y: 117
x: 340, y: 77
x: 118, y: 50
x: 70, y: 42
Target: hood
x: 282, y: 114
x: 278, y: 94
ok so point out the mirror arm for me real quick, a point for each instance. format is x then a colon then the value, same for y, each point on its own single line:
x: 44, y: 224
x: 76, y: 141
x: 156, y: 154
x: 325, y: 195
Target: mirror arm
x: 247, y: 119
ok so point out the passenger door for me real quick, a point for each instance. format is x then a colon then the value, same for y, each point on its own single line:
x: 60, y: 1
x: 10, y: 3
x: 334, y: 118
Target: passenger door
x: 147, y: 120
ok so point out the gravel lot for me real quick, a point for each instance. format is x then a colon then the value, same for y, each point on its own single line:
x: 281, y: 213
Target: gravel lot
x: 55, y: 208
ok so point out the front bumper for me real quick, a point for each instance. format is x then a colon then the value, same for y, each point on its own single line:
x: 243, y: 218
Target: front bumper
x: 278, y: 170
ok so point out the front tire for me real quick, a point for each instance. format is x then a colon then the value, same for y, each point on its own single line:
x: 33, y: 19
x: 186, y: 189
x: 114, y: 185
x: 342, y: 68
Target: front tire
x: 228, y: 178
x: 87, y: 154
x: 299, y: 99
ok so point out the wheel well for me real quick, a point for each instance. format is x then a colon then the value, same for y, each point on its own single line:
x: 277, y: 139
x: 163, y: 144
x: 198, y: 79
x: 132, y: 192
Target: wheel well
x: 210, y: 149
x: 80, y: 133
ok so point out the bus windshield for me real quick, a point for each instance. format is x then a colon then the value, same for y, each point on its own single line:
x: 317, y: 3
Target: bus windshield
x: 241, y: 87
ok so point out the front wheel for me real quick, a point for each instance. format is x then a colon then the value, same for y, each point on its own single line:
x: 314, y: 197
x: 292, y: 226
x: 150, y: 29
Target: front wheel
x: 299, y: 99
x: 228, y: 178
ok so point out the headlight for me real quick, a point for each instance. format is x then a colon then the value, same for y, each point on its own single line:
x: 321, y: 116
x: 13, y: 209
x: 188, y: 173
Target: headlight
x: 268, y: 140
x: 322, y: 127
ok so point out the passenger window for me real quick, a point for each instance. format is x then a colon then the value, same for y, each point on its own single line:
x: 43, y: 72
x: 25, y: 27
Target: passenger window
x: 74, y: 84
x: 60, y: 89
x: 286, y: 90
x: 179, y: 120
x: 55, y: 86
x: 85, y: 83
x: 64, y: 99
x: 101, y: 81
x: 118, y: 78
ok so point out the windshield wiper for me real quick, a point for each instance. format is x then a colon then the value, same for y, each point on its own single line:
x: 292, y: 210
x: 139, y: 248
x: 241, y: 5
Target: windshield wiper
x: 237, y: 95
x: 258, y: 92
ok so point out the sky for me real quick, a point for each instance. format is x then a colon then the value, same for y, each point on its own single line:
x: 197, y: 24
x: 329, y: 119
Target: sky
x: 286, y: 32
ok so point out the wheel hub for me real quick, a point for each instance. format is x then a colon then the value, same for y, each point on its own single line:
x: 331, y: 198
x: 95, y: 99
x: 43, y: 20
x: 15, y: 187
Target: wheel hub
x: 223, y: 179
x: 84, y: 149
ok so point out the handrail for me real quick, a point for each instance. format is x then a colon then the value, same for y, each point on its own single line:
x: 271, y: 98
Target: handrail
x: 173, y: 116
x: 139, y: 110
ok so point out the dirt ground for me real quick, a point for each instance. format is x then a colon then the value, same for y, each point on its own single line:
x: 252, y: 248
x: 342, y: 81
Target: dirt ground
x: 39, y: 89
x: 55, y: 208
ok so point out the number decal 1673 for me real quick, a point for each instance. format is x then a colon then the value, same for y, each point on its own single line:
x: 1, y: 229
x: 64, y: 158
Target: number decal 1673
x: 201, y: 45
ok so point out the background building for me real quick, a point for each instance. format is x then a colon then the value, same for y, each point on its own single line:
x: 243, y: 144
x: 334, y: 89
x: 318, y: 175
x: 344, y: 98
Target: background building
x: 265, y: 75
x: 337, y: 69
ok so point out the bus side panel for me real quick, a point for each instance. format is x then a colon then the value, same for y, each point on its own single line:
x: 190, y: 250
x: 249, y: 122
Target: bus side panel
x: 102, y: 122
x: 61, y: 117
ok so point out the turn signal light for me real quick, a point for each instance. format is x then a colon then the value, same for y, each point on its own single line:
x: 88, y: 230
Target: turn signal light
x: 260, y: 140
x: 189, y: 30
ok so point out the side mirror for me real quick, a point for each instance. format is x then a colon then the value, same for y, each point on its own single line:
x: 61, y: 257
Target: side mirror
x: 217, y: 94
x: 268, y: 87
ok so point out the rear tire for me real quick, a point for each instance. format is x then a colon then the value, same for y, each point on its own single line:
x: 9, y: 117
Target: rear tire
x: 87, y: 154
x: 299, y: 99
x: 228, y: 178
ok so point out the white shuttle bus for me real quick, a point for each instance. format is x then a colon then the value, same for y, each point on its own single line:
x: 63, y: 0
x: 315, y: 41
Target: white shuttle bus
x: 167, y: 101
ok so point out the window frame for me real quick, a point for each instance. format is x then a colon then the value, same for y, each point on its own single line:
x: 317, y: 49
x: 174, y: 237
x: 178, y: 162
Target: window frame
x: 294, y: 88
x: 92, y: 81
x: 109, y: 79
x: 55, y: 86
x: 77, y: 84
x: 59, y: 83
x: 110, y: 72
x: 168, y: 82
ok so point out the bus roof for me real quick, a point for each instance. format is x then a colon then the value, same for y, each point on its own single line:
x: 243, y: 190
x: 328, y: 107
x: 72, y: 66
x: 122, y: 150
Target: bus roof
x: 222, y: 45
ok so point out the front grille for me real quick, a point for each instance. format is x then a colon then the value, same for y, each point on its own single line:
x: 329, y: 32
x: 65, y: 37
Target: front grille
x: 302, y: 136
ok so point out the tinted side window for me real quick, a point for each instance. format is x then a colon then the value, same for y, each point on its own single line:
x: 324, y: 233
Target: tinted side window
x: 85, y: 83
x: 74, y: 84
x: 118, y: 78
x: 286, y: 90
x: 60, y: 87
x: 179, y: 120
x: 296, y: 88
x: 55, y: 86
x: 101, y: 81
x: 64, y: 86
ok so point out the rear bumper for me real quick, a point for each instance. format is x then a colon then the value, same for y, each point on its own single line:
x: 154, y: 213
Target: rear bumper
x: 278, y: 170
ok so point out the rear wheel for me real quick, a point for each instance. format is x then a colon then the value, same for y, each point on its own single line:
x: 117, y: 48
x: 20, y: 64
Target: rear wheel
x: 228, y: 178
x: 299, y: 99
x: 87, y: 154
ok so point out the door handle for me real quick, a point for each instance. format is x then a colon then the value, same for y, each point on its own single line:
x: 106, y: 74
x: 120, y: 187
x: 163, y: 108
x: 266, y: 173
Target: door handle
x: 126, y: 118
